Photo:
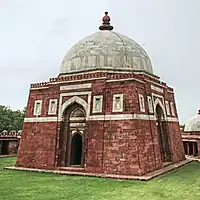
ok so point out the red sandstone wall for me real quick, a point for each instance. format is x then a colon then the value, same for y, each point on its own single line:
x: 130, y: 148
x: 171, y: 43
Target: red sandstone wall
x: 198, y: 149
x: 37, y: 145
x: 123, y: 147
x: 94, y: 158
x: 45, y: 95
x: 130, y: 89
x: 178, y: 153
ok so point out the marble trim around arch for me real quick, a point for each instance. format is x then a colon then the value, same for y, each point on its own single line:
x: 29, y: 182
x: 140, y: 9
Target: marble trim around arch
x: 73, y: 99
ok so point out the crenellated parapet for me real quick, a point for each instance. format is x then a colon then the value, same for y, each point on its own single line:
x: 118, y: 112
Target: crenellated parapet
x: 10, y: 134
x: 98, y: 75
x: 38, y: 85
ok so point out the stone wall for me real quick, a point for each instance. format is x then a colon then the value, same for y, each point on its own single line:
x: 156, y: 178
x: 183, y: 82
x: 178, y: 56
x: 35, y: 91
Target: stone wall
x: 198, y: 149
x: 38, y: 145
x: 128, y: 147
x: 124, y: 142
x: 177, y: 148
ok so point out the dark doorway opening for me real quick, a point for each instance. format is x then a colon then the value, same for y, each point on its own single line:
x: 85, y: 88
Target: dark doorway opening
x: 185, y: 147
x: 163, y: 135
x: 76, y: 150
x: 4, y: 148
x: 191, y: 148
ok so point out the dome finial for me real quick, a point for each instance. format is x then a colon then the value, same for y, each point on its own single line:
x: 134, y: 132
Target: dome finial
x: 106, y: 23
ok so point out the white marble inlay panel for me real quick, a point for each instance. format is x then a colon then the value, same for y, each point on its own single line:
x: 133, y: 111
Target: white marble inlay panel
x: 97, y: 103
x: 158, y: 89
x: 77, y: 86
x: 141, y: 103
x: 52, y: 106
x: 150, y: 104
x: 167, y: 107
x: 118, y: 102
x: 172, y: 109
x: 37, y: 107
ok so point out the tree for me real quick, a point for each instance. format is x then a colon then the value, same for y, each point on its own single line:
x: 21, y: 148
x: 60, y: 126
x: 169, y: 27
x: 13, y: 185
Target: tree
x: 182, y: 127
x: 11, y: 120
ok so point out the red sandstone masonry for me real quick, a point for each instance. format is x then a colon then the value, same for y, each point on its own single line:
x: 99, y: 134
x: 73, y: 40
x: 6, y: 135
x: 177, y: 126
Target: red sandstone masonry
x: 45, y: 95
x: 128, y: 147
x: 37, y: 145
x: 177, y: 147
x: 198, y: 149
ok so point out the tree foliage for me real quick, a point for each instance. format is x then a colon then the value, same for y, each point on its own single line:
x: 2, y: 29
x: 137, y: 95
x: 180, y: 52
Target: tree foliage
x: 11, y: 120
x: 182, y: 127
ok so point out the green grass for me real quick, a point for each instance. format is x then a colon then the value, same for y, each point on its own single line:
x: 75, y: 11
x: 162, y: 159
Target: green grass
x: 183, y: 183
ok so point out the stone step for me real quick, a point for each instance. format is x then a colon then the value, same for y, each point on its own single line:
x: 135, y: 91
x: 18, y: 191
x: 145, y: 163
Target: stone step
x: 72, y: 169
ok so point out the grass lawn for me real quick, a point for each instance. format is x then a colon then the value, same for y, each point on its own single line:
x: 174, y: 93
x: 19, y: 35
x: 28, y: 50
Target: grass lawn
x: 183, y: 183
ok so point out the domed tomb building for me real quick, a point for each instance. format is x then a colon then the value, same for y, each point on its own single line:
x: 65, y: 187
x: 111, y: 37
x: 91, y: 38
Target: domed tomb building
x: 191, y: 136
x: 106, y: 112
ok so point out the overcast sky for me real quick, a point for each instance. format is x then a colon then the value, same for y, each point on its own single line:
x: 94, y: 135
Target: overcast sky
x: 36, y: 34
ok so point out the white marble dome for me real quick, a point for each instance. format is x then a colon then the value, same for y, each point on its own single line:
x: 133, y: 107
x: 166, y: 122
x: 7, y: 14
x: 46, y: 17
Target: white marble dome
x: 193, y: 124
x: 106, y: 50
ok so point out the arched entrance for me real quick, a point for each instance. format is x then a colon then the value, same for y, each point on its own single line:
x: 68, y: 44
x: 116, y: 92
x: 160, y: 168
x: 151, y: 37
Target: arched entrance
x: 163, y: 135
x: 191, y: 148
x: 72, y: 135
x: 76, y: 150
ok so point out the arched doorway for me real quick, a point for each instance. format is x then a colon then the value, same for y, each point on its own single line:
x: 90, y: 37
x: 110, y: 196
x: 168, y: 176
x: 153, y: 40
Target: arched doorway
x: 76, y: 150
x: 163, y: 135
x: 72, y: 136
x: 191, y: 148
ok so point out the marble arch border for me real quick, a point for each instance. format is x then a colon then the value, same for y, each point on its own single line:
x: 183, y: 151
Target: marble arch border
x: 158, y: 102
x: 74, y: 98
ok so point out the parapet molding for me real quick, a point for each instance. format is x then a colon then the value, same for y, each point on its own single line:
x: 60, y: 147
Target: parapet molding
x: 11, y: 134
x: 100, y: 75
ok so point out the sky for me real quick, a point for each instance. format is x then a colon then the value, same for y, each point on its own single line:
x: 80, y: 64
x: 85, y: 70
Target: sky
x: 36, y: 34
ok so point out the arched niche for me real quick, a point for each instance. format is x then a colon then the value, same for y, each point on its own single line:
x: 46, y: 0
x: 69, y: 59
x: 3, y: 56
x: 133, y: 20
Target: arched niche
x: 72, y: 136
x: 163, y: 134
x: 72, y: 101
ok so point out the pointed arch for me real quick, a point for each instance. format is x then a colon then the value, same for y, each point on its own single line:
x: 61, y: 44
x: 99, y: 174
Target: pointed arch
x: 159, y: 102
x: 73, y: 122
x: 77, y: 113
x: 72, y: 100
x: 163, y: 133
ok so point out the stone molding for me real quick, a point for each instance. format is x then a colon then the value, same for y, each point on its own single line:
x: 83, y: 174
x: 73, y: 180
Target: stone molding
x: 12, y: 133
x: 75, y: 87
x: 41, y: 119
x: 105, y: 117
x: 157, y: 89
x: 73, y: 99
